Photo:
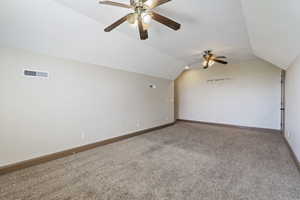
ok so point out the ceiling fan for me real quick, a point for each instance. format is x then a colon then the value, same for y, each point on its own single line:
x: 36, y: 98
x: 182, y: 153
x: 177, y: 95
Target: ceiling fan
x: 142, y: 15
x: 210, y: 59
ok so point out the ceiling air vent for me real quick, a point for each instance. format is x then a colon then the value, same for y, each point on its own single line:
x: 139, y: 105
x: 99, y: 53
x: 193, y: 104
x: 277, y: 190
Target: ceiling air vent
x: 36, y: 73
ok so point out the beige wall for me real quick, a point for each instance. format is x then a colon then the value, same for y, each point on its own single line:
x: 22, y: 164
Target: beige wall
x: 78, y: 104
x: 250, y: 96
x: 292, y: 129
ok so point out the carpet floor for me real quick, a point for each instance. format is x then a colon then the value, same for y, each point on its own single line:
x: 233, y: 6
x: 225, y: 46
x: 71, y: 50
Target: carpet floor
x: 182, y: 162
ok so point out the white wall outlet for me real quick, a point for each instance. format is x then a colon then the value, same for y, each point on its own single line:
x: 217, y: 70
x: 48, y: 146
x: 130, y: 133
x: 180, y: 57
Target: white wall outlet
x: 83, y: 135
x: 138, y: 124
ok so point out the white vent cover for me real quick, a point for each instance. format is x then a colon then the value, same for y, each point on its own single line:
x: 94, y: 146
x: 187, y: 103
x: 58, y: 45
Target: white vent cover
x: 36, y: 73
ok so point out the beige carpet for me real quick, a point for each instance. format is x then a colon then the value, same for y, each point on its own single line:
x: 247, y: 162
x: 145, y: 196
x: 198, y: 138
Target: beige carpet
x: 182, y: 162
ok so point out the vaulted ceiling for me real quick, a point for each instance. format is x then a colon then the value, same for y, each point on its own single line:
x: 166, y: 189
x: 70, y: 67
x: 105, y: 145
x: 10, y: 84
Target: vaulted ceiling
x: 73, y: 29
x: 274, y: 29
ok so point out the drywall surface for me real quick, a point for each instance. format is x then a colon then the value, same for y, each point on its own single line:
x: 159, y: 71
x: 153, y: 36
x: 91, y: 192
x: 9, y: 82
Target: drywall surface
x: 292, y: 129
x: 245, y: 94
x: 53, y: 29
x: 273, y: 28
x: 78, y: 104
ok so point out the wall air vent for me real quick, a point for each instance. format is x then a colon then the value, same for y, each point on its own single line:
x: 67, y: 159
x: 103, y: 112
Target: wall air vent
x: 36, y: 73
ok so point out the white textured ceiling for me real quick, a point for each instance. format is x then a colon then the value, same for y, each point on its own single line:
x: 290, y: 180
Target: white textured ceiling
x: 74, y: 29
x: 47, y: 27
x: 274, y: 29
x: 213, y: 24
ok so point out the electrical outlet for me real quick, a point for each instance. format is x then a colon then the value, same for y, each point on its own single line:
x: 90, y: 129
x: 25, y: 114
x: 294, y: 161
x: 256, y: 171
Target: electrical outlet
x: 82, y: 135
x: 138, y: 124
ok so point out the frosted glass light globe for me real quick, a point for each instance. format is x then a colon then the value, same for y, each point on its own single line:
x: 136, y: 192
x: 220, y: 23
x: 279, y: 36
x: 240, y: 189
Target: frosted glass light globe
x: 146, y: 18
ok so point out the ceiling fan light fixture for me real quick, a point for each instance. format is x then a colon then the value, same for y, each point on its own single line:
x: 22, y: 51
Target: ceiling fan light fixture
x: 149, y: 3
x: 210, y: 63
x: 142, y: 16
x: 132, y: 19
x: 133, y: 25
x: 147, y: 18
x: 210, y: 59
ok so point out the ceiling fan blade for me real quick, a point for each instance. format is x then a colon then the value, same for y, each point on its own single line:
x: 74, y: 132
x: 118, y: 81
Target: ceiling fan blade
x: 117, y: 23
x: 111, y: 3
x: 220, y: 61
x: 157, y: 3
x: 143, y: 32
x: 221, y: 57
x: 166, y: 21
